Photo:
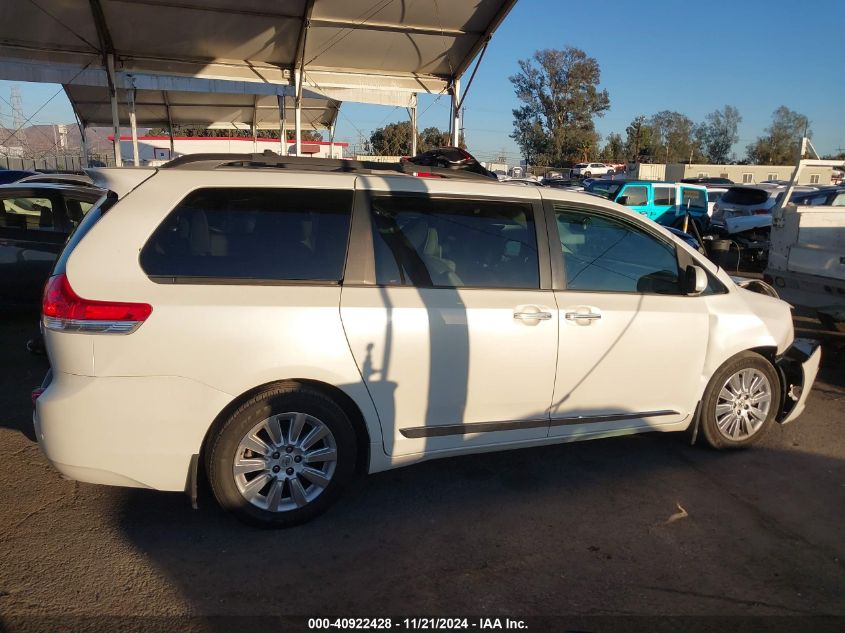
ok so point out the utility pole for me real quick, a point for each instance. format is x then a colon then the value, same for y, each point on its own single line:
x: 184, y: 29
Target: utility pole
x: 463, y: 124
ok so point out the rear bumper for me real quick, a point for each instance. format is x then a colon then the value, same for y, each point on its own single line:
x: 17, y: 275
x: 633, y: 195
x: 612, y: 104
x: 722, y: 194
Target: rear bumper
x: 125, y: 431
x: 798, y: 367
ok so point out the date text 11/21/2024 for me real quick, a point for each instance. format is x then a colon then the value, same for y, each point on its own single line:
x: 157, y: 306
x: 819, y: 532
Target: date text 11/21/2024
x: 413, y: 624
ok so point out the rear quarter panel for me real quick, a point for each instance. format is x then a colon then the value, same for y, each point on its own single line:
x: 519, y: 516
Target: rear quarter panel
x: 232, y: 338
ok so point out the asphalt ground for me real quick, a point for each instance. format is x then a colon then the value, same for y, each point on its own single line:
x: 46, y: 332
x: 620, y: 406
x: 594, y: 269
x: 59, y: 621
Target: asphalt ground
x: 634, y: 526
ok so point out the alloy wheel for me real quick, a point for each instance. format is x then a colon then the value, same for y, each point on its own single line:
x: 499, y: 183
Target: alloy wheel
x: 743, y: 404
x: 285, y: 462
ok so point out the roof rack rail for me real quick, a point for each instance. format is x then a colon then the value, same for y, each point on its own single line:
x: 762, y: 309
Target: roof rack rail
x: 469, y: 170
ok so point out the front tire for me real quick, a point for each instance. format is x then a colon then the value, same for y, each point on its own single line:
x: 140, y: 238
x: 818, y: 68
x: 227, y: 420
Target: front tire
x: 740, y: 402
x: 282, y: 457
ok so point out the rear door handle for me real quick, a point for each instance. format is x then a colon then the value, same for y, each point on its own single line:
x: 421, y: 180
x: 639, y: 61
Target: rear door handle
x: 532, y: 316
x: 577, y: 316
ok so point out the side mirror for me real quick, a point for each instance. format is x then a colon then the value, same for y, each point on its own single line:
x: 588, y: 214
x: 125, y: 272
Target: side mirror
x: 623, y: 200
x: 696, y: 280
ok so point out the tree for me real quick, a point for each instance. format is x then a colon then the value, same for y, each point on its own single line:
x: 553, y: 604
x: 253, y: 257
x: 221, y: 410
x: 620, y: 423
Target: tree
x: 719, y: 132
x: 560, y: 97
x: 639, y: 140
x: 614, y: 149
x: 672, y: 137
x: 779, y: 145
x: 308, y: 136
x: 394, y: 139
x: 182, y: 130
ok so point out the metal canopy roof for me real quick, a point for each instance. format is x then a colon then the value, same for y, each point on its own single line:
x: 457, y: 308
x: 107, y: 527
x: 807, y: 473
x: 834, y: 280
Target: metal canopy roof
x: 377, y: 51
x: 208, y: 110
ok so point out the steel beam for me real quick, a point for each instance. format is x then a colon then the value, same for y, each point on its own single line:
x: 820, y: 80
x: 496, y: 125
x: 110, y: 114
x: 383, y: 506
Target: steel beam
x: 169, y: 123
x: 115, y: 117
x: 413, y: 112
x: 455, y: 118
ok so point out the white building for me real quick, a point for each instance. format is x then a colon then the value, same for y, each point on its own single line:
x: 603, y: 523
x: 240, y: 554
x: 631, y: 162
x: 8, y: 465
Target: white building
x: 155, y: 150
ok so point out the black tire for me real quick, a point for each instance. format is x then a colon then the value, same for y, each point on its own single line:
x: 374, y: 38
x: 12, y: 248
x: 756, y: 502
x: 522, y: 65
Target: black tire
x: 285, y: 398
x: 708, y: 423
x: 588, y: 174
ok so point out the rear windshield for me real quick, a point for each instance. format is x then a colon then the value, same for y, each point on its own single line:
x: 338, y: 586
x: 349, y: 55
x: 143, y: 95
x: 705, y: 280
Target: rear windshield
x: 745, y: 195
x: 86, y: 224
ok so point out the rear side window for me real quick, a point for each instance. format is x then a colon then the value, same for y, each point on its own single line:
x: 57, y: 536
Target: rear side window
x: 694, y: 199
x: 252, y: 234
x: 664, y: 196
x: 27, y: 213
x: 451, y: 243
x: 634, y: 196
x: 745, y: 195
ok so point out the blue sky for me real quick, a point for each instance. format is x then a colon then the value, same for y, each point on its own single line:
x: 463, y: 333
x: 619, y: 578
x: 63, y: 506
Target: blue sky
x: 693, y: 57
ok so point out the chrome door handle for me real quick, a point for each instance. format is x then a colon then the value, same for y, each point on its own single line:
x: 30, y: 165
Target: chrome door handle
x: 532, y: 316
x: 577, y: 316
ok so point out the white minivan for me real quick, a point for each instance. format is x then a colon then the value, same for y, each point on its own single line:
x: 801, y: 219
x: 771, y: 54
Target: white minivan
x: 283, y: 324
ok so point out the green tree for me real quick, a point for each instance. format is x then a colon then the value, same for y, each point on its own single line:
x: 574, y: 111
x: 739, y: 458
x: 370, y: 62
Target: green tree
x: 614, y: 149
x: 394, y: 139
x: 779, y: 145
x: 638, y: 140
x: 559, y: 93
x: 672, y: 138
x: 720, y: 131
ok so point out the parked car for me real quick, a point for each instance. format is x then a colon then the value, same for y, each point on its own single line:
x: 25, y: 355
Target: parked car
x: 708, y: 180
x: 746, y: 207
x: 824, y: 196
x: 563, y: 183
x: 525, y: 182
x: 666, y: 203
x: 35, y: 221
x: 13, y: 175
x: 714, y: 194
x: 60, y: 179
x: 592, y: 169
x: 283, y: 324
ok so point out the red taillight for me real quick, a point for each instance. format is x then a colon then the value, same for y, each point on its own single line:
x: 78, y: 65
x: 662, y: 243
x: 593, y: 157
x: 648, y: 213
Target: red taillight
x: 426, y: 174
x: 761, y: 212
x: 65, y: 310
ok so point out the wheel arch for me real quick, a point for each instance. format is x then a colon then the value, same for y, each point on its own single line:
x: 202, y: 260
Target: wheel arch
x: 341, y: 398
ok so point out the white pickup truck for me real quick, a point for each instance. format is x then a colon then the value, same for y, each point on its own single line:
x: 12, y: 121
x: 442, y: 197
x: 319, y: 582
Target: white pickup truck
x: 807, y: 253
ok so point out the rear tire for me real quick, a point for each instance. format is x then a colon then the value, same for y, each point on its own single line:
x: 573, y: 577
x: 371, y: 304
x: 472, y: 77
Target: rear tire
x: 740, y: 402
x: 282, y: 457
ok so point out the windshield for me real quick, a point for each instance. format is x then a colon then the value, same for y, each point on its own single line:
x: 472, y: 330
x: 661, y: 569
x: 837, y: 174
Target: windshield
x: 605, y: 188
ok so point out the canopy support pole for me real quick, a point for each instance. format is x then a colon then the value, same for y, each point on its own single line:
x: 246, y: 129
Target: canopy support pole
x: 297, y: 115
x: 133, y: 125
x: 412, y: 111
x: 254, y: 124
x: 82, y: 141
x: 84, y: 145
x: 115, y: 119
x: 169, y: 123
x: 455, y: 123
x: 282, y: 133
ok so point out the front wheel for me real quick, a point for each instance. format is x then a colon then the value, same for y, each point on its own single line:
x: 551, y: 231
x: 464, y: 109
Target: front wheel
x: 282, y: 457
x: 740, y: 402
